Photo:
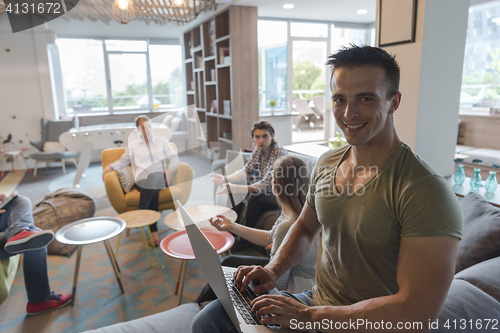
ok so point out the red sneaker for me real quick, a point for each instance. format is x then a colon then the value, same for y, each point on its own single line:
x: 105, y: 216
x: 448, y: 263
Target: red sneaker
x: 56, y: 301
x: 29, y: 240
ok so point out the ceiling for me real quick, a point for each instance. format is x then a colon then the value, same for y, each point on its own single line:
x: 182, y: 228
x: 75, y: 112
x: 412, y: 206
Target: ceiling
x: 318, y: 10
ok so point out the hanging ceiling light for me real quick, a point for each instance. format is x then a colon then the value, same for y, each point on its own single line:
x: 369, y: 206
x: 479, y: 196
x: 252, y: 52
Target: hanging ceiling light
x: 123, y: 11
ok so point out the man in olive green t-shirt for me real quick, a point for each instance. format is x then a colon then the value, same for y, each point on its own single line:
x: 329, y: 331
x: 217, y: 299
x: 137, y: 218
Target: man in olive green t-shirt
x: 390, y: 225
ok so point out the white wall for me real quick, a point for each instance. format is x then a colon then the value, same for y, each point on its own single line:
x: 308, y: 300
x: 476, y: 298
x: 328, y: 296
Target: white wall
x: 25, y: 92
x: 282, y: 127
x: 431, y: 72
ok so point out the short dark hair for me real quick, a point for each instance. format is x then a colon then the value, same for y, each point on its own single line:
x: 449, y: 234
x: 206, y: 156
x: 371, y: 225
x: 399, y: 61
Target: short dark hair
x: 357, y: 56
x: 139, y: 118
x: 263, y: 125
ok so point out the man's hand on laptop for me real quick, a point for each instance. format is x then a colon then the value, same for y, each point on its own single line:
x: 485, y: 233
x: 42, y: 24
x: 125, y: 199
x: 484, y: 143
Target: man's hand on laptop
x: 245, y: 274
x: 280, y: 310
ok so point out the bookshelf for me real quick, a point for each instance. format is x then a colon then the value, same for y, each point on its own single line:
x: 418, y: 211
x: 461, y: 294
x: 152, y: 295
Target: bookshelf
x: 220, y: 64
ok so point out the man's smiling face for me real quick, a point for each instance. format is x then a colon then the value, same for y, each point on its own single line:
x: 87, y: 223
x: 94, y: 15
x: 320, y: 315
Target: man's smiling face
x: 360, y: 104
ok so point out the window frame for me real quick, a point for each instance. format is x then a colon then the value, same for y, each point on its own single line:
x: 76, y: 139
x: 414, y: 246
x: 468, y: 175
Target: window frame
x: 329, y: 125
x: 60, y: 96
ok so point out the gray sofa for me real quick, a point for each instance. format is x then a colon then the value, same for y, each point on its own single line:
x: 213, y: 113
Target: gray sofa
x: 473, y: 298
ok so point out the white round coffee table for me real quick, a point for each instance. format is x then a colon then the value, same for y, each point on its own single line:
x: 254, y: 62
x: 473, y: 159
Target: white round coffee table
x: 88, y: 231
x: 200, y: 215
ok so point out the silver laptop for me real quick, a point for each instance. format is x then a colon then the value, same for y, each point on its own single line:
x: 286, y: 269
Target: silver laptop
x: 220, y: 279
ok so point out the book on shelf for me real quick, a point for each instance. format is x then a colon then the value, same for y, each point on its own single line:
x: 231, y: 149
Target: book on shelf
x: 211, y: 35
x: 213, y: 108
x: 198, y: 61
x: 212, y: 75
x: 227, y: 107
x: 223, y: 53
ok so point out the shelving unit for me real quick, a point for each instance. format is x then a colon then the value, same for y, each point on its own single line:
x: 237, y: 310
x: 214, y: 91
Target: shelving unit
x: 220, y: 64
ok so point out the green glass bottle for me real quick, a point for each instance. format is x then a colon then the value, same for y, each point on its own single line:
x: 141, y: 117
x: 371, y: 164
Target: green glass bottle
x: 475, y: 181
x: 491, y: 183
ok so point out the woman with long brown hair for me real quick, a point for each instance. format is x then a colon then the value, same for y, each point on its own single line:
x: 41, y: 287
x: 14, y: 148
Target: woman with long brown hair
x: 290, y: 185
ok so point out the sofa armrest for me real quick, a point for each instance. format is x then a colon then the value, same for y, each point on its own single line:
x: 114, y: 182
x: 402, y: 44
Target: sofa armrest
x: 115, y: 192
x: 37, y: 144
x: 218, y: 165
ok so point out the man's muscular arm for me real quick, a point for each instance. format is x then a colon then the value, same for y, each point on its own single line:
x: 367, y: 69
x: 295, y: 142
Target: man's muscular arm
x: 425, y: 270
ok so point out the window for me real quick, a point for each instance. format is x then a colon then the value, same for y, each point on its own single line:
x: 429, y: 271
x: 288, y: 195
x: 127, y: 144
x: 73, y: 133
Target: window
x: 481, y: 69
x: 83, y: 75
x: 345, y: 36
x: 141, y: 75
x: 166, y: 75
x: 272, y: 65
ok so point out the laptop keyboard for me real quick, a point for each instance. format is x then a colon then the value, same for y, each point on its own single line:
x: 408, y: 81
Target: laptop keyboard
x: 242, y: 301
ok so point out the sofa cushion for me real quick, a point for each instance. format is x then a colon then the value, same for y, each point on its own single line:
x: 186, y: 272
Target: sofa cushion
x: 126, y: 178
x: 168, y: 119
x: 466, y: 302
x: 175, y: 124
x: 484, y: 276
x: 176, y: 320
x: 481, y: 231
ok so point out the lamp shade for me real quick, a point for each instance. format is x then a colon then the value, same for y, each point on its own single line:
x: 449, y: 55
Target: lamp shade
x: 123, y: 11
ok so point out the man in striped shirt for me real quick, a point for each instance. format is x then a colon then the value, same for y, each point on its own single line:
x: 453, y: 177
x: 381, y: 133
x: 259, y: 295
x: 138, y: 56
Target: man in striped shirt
x: 257, y: 173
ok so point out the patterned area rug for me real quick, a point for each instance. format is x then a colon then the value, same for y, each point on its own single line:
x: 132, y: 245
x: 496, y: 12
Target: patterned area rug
x: 98, y: 303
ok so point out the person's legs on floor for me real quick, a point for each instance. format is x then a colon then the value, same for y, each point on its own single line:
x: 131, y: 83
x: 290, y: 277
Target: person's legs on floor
x: 149, y: 197
x: 18, y: 229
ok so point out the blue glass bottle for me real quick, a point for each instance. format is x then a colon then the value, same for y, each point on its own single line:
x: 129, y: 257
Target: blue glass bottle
x: 491, y: 182
x: 459, y: 175
x: 475, y: 180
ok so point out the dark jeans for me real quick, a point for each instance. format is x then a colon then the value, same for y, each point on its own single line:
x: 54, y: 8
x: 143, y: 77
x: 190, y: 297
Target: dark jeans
x: 255, y: 206
x: 149, y: 189
x: 207, y: 294
x: 17, y: 217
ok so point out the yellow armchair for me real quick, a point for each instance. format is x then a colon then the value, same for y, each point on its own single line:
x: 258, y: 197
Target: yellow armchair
x: 8, y: 269
x: 121, y: 202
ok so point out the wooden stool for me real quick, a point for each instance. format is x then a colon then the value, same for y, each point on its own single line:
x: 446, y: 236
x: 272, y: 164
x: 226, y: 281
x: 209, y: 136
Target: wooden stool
x: 140, y: 219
